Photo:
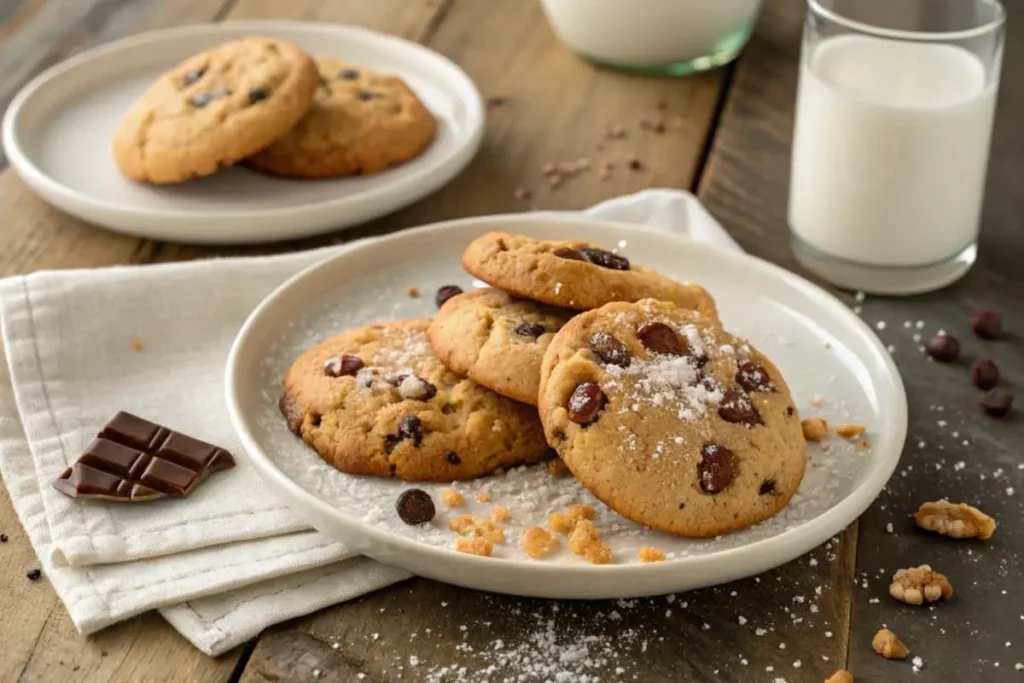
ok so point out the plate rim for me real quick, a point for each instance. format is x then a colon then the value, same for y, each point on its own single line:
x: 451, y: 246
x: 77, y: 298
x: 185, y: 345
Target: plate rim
x: 25, y: 166
x: 752, y: 557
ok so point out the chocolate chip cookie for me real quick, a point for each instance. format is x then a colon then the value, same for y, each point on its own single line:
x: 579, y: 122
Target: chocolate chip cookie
x: 573, y: 274
x: 376, y: 400
x: 215, y: 109
x: 496, y: 340
x: 360, y: 122
x: 670, y: 420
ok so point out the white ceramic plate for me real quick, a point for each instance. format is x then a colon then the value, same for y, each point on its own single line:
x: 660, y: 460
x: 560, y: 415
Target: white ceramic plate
x: 821, y: 347
x: 57, y: 132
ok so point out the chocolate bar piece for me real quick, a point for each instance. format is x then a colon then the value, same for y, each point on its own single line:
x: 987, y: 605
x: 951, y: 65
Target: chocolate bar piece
x: 134, y: 459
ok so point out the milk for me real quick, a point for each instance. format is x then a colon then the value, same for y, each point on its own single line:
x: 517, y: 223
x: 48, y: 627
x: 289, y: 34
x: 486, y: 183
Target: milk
x: 651, y: 32
x: 890, y: 150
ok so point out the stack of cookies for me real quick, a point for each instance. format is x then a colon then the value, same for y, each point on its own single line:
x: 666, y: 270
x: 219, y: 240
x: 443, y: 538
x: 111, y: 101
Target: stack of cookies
x: 573, y: 352
x: 266, y: 103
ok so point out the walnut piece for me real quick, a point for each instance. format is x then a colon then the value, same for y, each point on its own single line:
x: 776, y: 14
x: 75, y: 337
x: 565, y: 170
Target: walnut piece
x: 584, y: 540
x: 841, y: 676
x: 958, y: 520
x: 917, y: 584
x: 537, y: 542
x: 888, y: 645
x: 850, y: 431
x: 650, y: 554
x: 815, y: 429
x: 474, y: 546
x: 452, y: 498
x: 471, y: 525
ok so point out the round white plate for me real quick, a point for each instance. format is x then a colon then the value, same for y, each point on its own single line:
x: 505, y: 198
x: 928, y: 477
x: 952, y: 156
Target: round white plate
x: 820, y: 346
x: 57, y: 132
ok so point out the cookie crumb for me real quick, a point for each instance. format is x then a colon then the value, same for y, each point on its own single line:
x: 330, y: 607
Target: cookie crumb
x: 474, y: 546
x: 841, y: 676
x: 499, y: 514
x: 483, y: 498
x: 888, y: 645
x: 136, y: 345
x: 850, y: 431
x: 578, y: 512
x: 955, y: 520
x: 650, y: 554
x: 538, y: 542
x: 916, y: 585
x: 413, y: 293
x: 452, y: 498
x: 471, y: 525
x: 557, y: 468
x: 586, y: 542
x: 560, y: 523
x: 815, y: 429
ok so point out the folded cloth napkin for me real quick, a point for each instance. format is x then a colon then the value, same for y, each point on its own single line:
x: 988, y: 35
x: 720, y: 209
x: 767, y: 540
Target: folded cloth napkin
x: 230, y: 560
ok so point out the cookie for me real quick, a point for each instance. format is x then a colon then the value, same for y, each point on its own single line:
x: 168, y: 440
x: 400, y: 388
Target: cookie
x: 360, y: 122
x: 573, y: 274
x: 215, y: 109
x: 496, y: 340
x: 670, y: 420
x: 375, y: 400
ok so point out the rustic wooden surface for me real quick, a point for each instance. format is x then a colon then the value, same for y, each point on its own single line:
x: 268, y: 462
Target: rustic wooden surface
x: 736, y: 156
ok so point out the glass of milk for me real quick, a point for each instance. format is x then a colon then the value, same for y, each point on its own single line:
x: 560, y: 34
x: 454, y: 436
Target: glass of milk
x: 893, y: 127
x: 672, y: 37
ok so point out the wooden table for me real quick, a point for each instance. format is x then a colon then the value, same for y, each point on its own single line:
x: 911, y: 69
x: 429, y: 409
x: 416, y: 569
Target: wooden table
x: 728, y: 139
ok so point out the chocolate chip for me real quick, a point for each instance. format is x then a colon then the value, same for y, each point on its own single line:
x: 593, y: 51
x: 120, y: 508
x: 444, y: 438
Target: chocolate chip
x: 790, y: 410
x: 3, y: 538
x: 452, y: 458
x: 496, y: 102
x: 569, y: 253
x: 416, y: 388
x: 365, y: 95
x: 446, y: 292
x: 605, y: 259
x: 661, y: 338
x: 315, y: 419
x: 390, y: 441
x: 415, y: 506
x: 348, y: 74
x: 201, y: 99
x: 737, y: 408
x: 609, y: 349
x: 33, y: 574
x: 411, y: 428
x: 984, y: 373
x: 529, y: 330
x: 258, y: 95
x: 585, y: 403
x: 987, y: 324
x: 344, y: 365
x: 943, y: 347
x: 193, y: 76
x: 682, y: 506
x: 767, y: 486
x: 716, y: 469
x: 997, y: 402
x: 753, y: 377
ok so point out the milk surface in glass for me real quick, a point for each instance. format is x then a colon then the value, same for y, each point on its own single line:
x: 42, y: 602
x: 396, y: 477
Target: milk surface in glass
x: 890, y: 150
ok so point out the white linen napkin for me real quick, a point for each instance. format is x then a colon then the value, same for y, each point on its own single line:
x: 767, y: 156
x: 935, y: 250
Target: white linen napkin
x: 231, y: 559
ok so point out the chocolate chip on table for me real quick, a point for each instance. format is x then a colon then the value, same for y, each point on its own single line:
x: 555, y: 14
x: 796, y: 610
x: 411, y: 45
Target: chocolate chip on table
x: 569, y: 253
x: 987, y: 324
x: 530, y: 330
x: 415, y: 506
x: 753, y: 377
x: 343, y: 365
x: 609, y: 349
x: 717, y: 468
x: 452, y: 458
x: 661, y: 338
x: 767, y: 486
x: 984, y: 373
x: 997, y: 402
x: 605, y: 259
x: 737, y: 408
x: 943, y: 347
x: 258, y: 95
x: 348, y: 74
x: 33, y: 574
x: 446, y: 292
x: 416, y: 388
x: 193, y: 76
x: 585, y: 403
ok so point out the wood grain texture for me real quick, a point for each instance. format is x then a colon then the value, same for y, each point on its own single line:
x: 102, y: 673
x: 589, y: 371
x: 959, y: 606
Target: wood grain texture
x: 965, y: 638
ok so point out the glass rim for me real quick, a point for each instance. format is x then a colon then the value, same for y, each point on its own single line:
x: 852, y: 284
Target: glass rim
x: 882, y: 32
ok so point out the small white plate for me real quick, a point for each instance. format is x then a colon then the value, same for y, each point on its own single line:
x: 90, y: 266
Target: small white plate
x: 820, y: 346
x: 57, y: 133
